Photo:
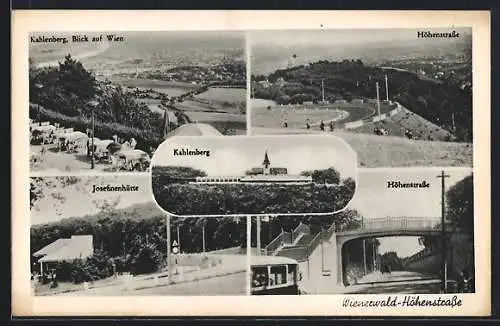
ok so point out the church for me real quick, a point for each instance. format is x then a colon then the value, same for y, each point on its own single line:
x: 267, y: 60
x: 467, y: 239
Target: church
x: 257, y: 175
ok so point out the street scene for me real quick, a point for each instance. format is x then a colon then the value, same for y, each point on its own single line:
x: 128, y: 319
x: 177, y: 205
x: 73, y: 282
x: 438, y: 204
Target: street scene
x: 397, y: 99
x: 380, y: 243
x: 88, y: 241
x: 253, y: 175
x: 106, y: 105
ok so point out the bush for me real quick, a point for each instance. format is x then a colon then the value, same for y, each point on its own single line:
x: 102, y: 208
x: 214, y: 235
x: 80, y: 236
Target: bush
x: 145, y: 138
x: 148, y: 260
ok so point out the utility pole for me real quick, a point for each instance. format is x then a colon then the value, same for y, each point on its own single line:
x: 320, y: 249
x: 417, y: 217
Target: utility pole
x: 323, y: 90
x: 364, y: 257
x: 453, y: 122
x: 386, y: 88
x: 92, y: 157
x: 378, y: 100
x: 169, y: 250
x: 374, y: 255
x: 203, y: 235
x: 258, y: 236
x: 178, y: 237
x: 443, y: 233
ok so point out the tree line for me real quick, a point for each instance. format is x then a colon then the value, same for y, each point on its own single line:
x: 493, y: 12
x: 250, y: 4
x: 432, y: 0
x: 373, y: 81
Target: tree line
x: 326, y: 194
x: 443, y: 104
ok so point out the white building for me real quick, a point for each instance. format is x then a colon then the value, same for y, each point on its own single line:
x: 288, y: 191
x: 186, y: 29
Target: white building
x: 264, y: 174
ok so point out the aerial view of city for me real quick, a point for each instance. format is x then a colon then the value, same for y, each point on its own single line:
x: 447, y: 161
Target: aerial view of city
x: 107, y: 104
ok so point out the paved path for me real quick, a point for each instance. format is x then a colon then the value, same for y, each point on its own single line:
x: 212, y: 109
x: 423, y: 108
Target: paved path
x: 395, y: 282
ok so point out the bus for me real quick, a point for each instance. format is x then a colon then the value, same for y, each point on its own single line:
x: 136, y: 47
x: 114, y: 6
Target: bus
x: 274, y: 275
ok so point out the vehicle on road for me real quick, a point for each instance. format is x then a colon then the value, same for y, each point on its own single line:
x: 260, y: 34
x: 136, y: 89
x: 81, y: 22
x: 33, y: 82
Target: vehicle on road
x: 274, y: 275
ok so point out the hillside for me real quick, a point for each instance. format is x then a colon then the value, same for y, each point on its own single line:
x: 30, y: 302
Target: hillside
x: 391, y: 151
x: 348, y: 79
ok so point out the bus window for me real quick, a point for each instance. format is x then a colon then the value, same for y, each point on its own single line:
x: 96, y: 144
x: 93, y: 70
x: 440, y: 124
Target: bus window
x: 278, y: 275
x: 292, y: 274
x: 259, y: 277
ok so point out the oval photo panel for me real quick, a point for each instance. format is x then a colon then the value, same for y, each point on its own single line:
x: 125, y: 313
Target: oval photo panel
x: 258, y: 175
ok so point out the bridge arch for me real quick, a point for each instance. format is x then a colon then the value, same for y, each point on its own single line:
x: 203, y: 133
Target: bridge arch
x: 378, y: 228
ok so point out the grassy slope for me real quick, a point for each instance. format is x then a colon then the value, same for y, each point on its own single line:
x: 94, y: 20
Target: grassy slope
x: 406, y: 119
x: 390, y: 151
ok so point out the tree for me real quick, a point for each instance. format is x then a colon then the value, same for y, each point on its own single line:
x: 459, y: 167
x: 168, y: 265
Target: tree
x: 76, y: 80
x: 460, y: 204
x: 391, y: 260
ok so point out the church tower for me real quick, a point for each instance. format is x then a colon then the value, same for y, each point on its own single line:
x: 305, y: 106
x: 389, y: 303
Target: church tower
x: 266, y: 164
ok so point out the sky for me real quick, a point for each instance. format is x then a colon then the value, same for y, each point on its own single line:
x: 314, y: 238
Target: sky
x: 300, y: 38
x: 373, y: 199
x: 79, y: 199
x: 232, y: 156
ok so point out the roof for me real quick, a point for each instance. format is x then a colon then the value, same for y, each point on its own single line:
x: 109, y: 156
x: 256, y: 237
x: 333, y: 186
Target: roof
x: 77, y: 247
x: 276, y: 178
x: 51, y: 248
x: 195, y: 129
x: 270, y: 260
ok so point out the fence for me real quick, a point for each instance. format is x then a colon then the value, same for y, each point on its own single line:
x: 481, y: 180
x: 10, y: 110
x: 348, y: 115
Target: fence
x: 301, y: 228
x: 283, y: 238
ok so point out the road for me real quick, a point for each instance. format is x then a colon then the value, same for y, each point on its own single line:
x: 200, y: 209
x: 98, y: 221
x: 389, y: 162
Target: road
x: 396, y: 282
x: 56, y: 161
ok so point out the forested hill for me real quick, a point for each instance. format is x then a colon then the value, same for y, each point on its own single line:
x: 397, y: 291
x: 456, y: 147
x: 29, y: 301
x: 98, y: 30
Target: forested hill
x: 432, y: 99
x: 114, y: 230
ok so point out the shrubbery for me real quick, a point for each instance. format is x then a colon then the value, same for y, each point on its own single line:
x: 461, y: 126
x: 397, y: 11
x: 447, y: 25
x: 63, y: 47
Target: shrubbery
x: 326, y: 194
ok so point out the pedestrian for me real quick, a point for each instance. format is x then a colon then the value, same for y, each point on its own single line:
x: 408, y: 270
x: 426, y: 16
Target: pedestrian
x: 285, y: 124
x: 308, y: 125
x: 331, y: 126
x: 322, y: 126
x: 460, y: 282
x: 133, y: 143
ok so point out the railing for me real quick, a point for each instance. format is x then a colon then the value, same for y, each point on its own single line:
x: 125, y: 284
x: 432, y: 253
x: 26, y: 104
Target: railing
x: 301, y: 228
x: 314, y: 243
x: 394, y: 223
x: 327, y: 234
x: 283, y: 238
x: 420, y: 255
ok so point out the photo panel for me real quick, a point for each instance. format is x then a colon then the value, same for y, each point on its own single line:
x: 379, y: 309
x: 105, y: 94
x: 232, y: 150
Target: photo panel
x: 399, y: 97
x: 322, y: 161
x: 390, y: 239
x: 104, y: 101
x: 249, y: 175
x: 105, y: 236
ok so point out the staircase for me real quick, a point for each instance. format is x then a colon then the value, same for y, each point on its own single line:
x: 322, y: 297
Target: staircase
x: 298, y: 244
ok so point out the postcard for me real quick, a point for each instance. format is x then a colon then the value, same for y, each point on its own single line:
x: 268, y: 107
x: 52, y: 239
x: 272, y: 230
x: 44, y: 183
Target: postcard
x: 301, y: 163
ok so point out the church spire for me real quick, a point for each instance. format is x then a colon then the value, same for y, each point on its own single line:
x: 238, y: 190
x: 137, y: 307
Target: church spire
x: 266, y: 162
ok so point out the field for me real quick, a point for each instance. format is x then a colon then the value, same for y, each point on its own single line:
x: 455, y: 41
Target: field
x: 276, y: 116
x: 296, y: 116
x: 258, y: 102
x: 224, y: 94
x: 389, y: 151
x: 167, y: 87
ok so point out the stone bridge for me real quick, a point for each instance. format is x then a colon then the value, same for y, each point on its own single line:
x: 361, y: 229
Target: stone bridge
x: 384, y: 227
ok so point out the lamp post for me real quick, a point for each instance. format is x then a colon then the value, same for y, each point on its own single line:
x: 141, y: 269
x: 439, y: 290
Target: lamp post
x: 92, y: 104
x: 39, y: 86
x: 444, y: 267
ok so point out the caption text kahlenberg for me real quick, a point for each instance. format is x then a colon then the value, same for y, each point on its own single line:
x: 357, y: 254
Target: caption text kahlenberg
x: 405, y: 301
x: 78, y: 38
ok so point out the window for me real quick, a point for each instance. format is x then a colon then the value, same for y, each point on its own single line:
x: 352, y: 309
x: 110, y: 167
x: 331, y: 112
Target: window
x: 292, y: 274
x: 278, y: 275
x: 259, y: 277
